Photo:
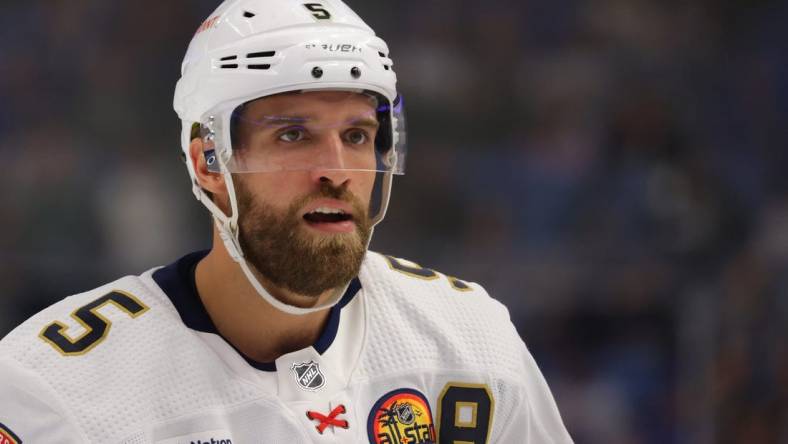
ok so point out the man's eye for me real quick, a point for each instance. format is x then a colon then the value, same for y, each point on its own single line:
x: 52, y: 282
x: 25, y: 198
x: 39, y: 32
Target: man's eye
x: 292, y: 135
x: 357, y: 137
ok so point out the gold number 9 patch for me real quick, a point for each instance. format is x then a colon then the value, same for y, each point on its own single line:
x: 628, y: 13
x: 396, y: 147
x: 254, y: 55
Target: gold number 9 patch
x: 465, y: 413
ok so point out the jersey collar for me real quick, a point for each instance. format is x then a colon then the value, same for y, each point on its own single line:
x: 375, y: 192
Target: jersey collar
x: 178, y: 283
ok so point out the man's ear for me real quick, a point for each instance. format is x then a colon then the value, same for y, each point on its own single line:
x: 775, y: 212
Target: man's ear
x: 208, y: 180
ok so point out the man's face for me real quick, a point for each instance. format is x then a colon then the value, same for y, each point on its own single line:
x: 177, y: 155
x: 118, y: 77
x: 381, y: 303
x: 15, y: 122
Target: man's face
x: 305, y: 225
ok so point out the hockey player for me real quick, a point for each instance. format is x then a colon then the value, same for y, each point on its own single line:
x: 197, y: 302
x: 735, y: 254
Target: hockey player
x: 288, y: 330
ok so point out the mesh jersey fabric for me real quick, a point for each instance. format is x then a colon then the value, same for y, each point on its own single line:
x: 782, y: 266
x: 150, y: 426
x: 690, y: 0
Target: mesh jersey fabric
x: 153, y: 378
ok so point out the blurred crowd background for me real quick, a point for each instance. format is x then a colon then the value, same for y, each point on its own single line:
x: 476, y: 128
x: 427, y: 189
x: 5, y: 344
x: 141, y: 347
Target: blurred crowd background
x: 612, y: 170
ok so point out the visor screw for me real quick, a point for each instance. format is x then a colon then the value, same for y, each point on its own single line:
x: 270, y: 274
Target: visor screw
x: 317, y: 72
x: 355, y: 72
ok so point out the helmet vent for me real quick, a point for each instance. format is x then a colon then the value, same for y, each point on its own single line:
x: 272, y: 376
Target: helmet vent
x: 256, y: 55
x: 248, y: 14
x: 230, y: 61
x: 383, y: 56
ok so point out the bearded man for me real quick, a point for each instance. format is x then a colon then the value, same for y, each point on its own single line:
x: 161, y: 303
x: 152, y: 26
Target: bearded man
x: 288, y: 330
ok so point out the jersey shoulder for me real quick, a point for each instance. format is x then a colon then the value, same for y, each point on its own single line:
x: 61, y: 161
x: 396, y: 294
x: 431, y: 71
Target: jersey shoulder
x: 122, y: 341
x: 448, y: 322
x: 80, y: 323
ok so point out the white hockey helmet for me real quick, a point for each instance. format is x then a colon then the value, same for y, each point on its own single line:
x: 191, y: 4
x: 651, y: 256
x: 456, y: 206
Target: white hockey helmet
x: 249, y: 49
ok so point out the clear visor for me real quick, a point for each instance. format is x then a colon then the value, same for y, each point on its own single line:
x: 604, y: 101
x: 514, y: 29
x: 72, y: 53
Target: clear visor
x: 311, y: 130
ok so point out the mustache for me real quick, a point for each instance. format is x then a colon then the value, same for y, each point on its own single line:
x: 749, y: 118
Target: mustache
x: 341, y: 192
x: 328, y: 190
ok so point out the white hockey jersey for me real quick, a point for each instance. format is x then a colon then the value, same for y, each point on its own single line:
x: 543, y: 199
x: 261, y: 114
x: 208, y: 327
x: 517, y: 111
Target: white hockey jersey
x: 409, y: 356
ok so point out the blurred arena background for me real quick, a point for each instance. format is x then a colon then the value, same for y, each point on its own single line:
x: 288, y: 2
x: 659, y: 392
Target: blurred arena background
x: 613, y: 170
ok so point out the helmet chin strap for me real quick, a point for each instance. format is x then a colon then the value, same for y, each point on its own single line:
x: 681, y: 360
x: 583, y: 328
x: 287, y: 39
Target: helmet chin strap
x: 229, y: 230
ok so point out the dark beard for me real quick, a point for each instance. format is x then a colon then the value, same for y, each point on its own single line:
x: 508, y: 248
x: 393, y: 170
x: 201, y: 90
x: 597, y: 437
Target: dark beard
x: 275, y: 244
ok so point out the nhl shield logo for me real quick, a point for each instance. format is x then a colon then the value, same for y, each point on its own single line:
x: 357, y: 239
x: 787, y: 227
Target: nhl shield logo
x: 405, y: 413
x: 308, y: 375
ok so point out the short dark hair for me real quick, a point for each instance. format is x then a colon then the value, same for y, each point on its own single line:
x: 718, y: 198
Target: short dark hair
x: 195, y: 130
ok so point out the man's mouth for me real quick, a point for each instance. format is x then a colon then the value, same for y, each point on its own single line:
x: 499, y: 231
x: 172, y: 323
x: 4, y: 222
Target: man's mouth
x: 321, y: 215
x: 331, y: 216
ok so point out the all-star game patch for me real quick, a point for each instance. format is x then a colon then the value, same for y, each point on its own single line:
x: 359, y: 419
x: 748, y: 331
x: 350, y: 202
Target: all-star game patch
x: 7, y: 436
x: 401, y: 416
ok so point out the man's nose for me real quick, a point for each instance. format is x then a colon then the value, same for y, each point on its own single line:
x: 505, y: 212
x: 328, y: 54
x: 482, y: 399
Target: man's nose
x: 330, y: 164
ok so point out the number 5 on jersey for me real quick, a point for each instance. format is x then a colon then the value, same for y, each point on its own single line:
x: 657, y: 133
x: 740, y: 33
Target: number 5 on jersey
x: 96, y: 326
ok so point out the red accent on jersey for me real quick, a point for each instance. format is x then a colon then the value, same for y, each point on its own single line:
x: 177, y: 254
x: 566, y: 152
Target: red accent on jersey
x: 329, y: 420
